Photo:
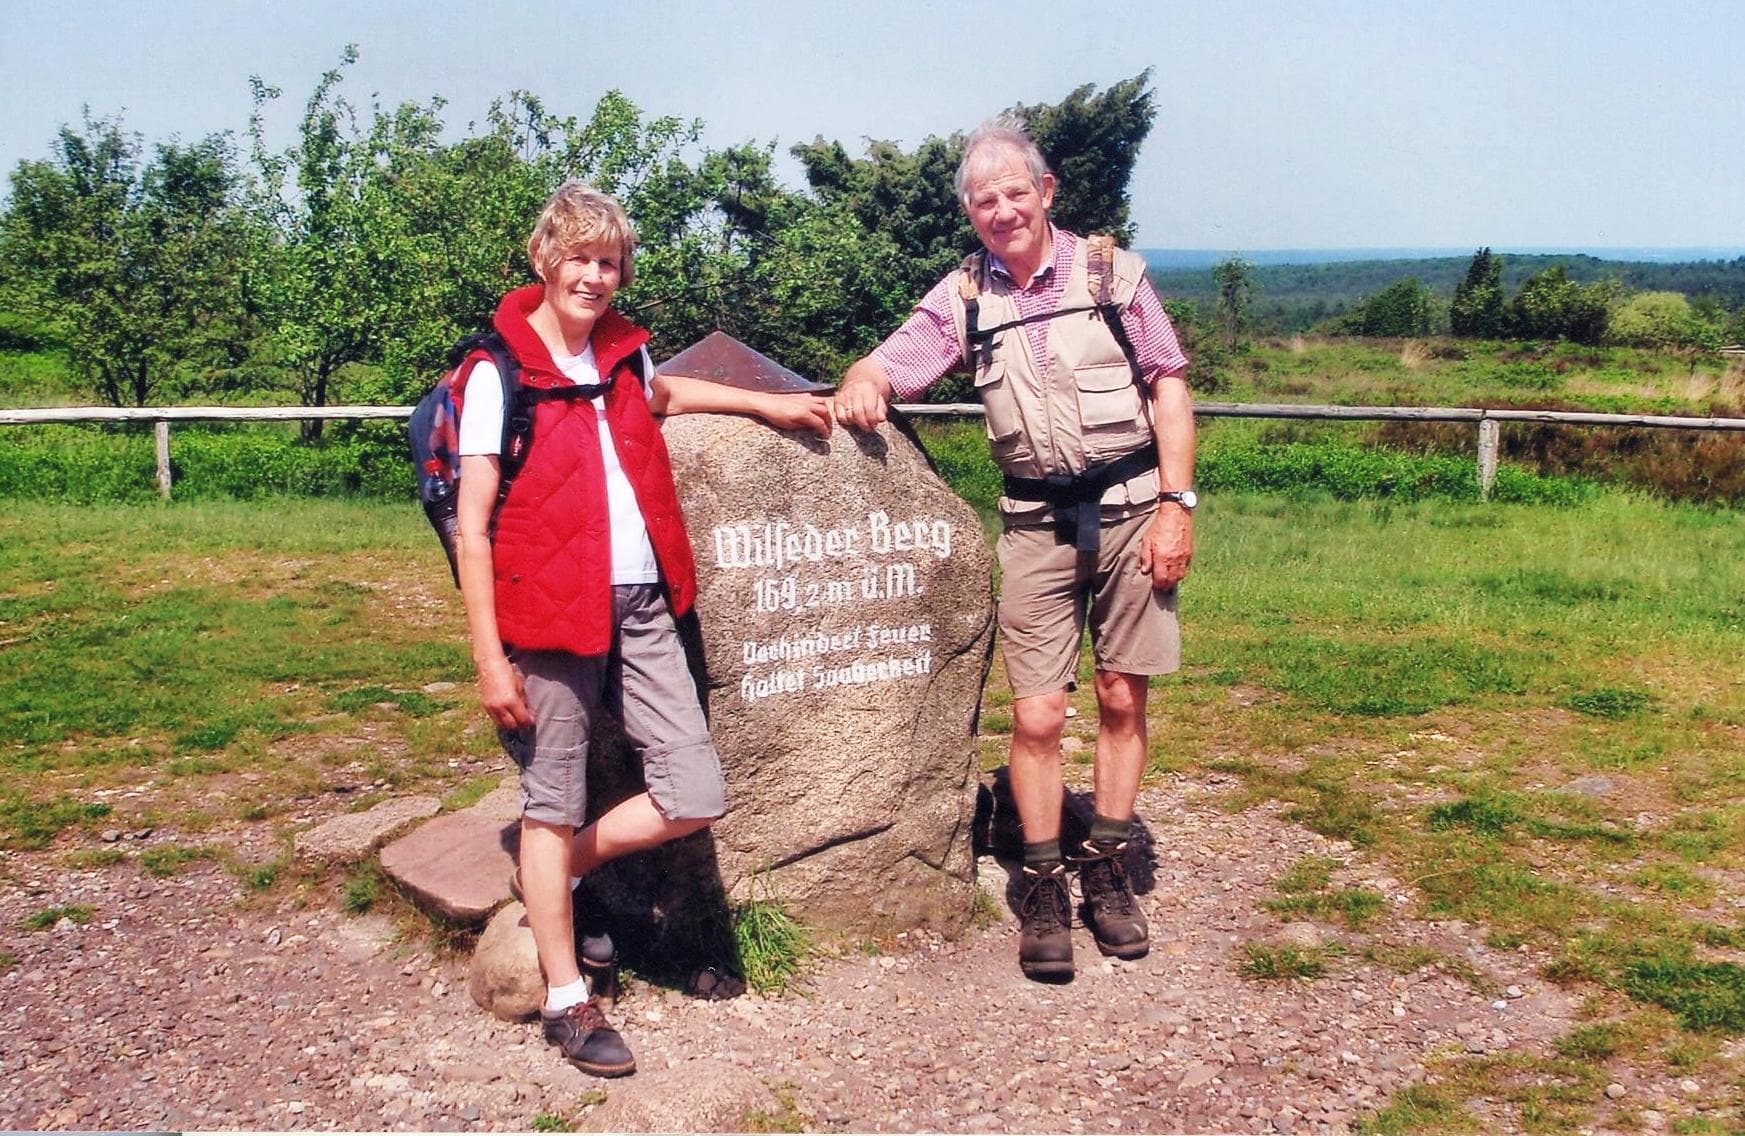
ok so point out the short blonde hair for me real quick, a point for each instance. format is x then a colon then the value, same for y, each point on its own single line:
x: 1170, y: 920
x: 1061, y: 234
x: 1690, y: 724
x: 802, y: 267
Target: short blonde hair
x: 580, y: 216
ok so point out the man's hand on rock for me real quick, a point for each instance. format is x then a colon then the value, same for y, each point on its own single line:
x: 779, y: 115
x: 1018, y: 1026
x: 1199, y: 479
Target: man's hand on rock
x: 864, y: 398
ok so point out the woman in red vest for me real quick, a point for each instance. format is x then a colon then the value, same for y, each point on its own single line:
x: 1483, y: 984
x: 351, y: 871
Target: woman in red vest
x: 588, y: 566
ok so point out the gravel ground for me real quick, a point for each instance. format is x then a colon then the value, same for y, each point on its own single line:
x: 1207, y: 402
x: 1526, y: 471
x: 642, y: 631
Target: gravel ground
x: 182, y: 1005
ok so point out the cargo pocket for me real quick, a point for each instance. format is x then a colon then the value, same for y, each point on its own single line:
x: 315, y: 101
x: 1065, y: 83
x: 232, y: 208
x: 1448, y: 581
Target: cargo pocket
x: 1108, y: 400
x: 999, y: 409
x: 1005, y: 425
x: 684, y: 780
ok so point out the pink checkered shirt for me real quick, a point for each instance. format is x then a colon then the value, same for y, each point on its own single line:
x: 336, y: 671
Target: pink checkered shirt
x: 925, y: 348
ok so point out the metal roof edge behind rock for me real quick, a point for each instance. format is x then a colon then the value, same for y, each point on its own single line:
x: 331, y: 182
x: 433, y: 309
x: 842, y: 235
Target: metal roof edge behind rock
x: 720, y: 358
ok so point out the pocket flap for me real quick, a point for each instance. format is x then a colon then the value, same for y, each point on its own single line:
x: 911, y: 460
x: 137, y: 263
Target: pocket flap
x: 1109, y: 377
x: 990, y: 375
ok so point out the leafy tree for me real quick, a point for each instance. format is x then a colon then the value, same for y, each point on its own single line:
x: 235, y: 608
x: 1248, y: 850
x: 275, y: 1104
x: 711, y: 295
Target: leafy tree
x: 1663, y: 319
x: 1235, y: 280
x: 139, y: 269
x: 1551, y: 306
x: 1399, y: 310
x: 390, y: 244
x: 1477, y: 311
x: 1090, y: 139
x: 911, y: 199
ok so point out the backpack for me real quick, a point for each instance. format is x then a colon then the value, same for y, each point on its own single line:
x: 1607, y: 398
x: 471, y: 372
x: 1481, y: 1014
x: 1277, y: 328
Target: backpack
x: 434, y: 432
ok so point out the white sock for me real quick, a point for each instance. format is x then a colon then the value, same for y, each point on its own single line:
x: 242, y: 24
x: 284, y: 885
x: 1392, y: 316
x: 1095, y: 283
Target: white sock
x: 560, y: 998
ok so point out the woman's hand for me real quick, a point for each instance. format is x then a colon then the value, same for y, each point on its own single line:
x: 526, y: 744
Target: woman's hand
x: 798, y: 412
x: 503, y: 695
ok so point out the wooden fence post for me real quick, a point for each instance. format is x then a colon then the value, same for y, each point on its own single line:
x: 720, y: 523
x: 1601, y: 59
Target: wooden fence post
x: 163, y: 438
x: 1487, y: 456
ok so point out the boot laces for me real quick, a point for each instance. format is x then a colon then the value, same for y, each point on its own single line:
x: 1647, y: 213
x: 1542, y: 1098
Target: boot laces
x: 1105, y: 878
x: 1045, y: 900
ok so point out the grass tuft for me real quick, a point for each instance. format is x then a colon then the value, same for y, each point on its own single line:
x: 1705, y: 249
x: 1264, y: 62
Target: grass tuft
x: 169, y: 860
x: 49, y: 916
x: 770, y: 944
x: 1609, y: 702
x: 362, y: 889
x: 1268, y: 962
x: 1415, y: 1108
x: 1706, y: 996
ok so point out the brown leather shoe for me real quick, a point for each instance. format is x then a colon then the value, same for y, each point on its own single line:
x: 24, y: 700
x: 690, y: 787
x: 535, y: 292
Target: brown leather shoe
x: 588, y: 1042
x: 1110, y: 911
x: 1045, y: 925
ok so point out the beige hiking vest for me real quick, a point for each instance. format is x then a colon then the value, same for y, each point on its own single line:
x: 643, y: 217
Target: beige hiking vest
x: 1080, y: 406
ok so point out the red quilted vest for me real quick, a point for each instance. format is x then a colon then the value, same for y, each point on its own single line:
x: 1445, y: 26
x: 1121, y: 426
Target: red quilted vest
x: 552, y: 551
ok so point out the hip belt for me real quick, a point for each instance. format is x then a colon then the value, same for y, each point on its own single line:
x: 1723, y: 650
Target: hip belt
x: 1077, y: 498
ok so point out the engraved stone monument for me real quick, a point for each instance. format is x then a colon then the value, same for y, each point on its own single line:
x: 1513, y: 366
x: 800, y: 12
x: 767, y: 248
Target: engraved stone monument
x: 844, y: 627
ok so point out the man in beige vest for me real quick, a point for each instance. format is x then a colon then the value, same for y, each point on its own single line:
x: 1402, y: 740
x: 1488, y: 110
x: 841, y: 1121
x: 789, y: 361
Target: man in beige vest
x: 1089, y: 419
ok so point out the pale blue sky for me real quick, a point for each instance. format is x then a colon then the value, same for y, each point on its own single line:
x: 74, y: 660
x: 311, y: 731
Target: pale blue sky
x: 1297, y: 123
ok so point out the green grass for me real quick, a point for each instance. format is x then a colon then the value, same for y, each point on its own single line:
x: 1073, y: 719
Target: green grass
x: 1269, y: 962
x: 209, y: 640
x: 49, y: 916
x: 1417, y: 1108
x: 362, y: 889
x: 770, y: 944
x: 170, y: 860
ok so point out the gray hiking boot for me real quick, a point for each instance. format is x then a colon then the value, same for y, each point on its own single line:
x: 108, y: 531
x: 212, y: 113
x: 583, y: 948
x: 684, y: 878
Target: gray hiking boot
x: 1110, y: 911
x: 588, y: 1042
x: 1045, y: 925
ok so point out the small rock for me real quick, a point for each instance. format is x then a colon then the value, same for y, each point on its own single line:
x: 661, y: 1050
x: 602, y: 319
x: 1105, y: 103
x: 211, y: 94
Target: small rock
x: 1616, y: 1091
x: 1593, y: 785
x: 1514, y: 992
x: 274, y: 937
x: 1653, y: 1120
x: 1301, y: 934
x: 1688, y: 1086
x: 110, y: 835
x: 296, y: 1108
x: 470, y: 1113
x: 438, y: 688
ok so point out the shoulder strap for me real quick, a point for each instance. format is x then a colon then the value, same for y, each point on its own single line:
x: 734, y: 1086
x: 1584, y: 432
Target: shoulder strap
x: 1099, y: 265
x: 969, y: 290
x: 1099, y: 268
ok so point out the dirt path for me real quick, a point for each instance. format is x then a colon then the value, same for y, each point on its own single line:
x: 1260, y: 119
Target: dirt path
x: 180, y: 1006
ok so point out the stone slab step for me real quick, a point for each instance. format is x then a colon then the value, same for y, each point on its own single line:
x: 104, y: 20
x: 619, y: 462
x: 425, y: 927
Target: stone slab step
x: 350, y: 837
x: 458, y: 865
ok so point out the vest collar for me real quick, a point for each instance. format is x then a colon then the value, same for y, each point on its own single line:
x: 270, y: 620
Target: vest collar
x: 614, y: 338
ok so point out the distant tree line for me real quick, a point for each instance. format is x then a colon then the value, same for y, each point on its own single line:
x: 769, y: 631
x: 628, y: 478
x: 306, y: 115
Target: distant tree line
x: 218, y: 270
x: 1578, y: 298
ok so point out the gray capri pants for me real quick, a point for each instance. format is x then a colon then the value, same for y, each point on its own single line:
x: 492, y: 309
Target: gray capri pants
x: 660, y: 714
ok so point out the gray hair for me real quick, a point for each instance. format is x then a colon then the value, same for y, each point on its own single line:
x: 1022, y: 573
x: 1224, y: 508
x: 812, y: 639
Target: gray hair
x: 992, y: 138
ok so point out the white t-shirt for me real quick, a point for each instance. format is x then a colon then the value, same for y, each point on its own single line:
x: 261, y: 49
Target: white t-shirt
x: 481, y: 432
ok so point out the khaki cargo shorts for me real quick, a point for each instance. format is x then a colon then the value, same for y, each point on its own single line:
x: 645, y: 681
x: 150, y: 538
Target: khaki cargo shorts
x: 1047, y: 590
x: 659, y: 711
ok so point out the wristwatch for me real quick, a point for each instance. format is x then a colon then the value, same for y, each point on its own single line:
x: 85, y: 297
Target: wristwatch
x: 1186, y: 498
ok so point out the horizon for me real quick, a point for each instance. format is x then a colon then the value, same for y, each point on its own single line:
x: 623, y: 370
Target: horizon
x: 1183, y: 257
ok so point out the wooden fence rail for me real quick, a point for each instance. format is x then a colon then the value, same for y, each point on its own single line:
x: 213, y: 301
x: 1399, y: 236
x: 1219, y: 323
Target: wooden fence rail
x: 1488, y: 420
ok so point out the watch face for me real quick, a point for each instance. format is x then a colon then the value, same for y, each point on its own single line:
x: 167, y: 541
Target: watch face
x: 1187, y: 497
